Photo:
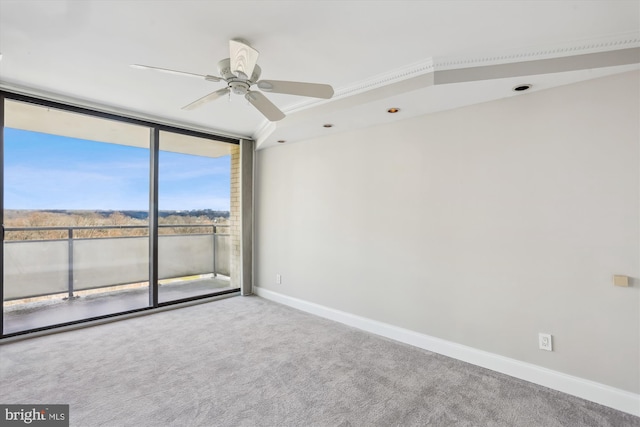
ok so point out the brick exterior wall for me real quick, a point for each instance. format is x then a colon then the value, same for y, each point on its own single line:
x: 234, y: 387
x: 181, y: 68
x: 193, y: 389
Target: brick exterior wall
x: 234, y: 218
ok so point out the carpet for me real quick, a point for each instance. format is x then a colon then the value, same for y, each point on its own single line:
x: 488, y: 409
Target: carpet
x: 246, y: 361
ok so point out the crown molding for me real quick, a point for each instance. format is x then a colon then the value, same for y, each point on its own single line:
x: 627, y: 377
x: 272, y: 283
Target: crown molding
x: 409, y: 71
x: 581, y: 47
x: 266, y: 128
x: 394, y: 76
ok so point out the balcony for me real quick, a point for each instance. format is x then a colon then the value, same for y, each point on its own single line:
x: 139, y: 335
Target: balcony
x: 71, y: 278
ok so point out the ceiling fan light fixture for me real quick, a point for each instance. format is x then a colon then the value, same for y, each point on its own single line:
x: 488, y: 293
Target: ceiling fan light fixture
x: 393, y: 110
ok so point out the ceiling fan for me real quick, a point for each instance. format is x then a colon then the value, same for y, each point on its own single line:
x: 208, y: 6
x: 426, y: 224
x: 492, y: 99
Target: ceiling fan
x: 240, y: 71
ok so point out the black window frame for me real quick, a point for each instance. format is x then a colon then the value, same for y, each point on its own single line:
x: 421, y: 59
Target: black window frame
x: 155, y: 128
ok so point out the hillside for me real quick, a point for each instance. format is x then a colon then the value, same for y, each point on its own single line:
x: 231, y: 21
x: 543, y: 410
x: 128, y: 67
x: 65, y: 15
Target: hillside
x: 96, y: 224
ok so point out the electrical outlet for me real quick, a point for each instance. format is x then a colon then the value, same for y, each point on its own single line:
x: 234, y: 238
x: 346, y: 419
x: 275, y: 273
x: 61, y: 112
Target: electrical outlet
x: 545, y: 342
x: 278, y: 279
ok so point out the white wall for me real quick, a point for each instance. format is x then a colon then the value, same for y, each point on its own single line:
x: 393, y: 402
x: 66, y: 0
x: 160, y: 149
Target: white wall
x: 482, y: 226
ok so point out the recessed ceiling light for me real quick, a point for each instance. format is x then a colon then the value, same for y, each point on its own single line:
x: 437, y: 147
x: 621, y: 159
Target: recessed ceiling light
x: 393, y: 110
x: 522, y: 88
x: 328, y: 125
x: 281, y: 141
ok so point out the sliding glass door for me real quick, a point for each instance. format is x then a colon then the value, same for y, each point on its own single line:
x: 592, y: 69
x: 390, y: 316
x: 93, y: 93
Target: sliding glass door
x: 194, y: 205
x: 105, y: 215
x: 75, y: 216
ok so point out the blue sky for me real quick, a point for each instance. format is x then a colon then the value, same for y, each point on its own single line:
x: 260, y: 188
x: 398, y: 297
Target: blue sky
x: 54, y: 172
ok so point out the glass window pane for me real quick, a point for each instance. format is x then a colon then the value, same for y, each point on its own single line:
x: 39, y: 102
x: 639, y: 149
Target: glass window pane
x: 195, y: 224
x: 76, y: 216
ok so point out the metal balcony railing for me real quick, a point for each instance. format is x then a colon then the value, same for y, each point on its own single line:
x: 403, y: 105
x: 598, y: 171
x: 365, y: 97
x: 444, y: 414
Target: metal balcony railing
x: 51, y: 266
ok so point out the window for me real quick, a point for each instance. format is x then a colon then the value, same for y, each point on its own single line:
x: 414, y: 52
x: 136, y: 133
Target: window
x: 194, y: 203
x: 105, y: 215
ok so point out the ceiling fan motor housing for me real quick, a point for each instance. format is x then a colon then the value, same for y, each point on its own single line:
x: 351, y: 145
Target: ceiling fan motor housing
x: 239, y: 87
x: 224, y: 69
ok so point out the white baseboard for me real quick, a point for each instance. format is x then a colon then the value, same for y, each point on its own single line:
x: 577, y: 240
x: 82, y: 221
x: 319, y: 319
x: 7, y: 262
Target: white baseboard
x: 590, y: 390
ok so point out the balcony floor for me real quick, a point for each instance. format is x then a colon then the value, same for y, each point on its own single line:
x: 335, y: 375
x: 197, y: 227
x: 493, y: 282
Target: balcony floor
x: 32, y: 315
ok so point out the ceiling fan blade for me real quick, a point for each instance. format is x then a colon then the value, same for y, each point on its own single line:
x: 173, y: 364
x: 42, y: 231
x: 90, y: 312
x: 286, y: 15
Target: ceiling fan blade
x: 243, y: 58
x: 313, y: 90
x: 176, y: 72
x: 265, y: 106
x: 207, y: 98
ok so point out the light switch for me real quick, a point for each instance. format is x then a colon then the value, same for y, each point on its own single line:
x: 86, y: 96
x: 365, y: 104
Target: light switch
x: 620, y: 280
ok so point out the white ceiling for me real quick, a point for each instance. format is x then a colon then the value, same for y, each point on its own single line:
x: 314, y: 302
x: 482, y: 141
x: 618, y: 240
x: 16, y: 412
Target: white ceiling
x: 420, y: 56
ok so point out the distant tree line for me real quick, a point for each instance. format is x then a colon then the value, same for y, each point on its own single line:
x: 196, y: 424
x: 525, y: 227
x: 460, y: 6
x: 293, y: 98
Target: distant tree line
x: 209, y: 213
x: 93, y: 220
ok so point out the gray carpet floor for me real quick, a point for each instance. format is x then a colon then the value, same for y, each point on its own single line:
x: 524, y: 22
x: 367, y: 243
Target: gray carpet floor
x: 246, y: 361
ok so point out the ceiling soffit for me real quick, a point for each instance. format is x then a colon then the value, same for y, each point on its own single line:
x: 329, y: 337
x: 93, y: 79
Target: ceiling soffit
x: 619, y: 51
